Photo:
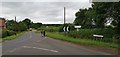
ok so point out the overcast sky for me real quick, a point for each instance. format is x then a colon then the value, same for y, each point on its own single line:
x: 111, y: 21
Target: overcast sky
x: 44, y: 12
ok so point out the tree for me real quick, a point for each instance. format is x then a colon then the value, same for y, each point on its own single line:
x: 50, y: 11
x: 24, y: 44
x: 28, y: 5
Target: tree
x: 98, y: 13
x: 84, y: 17
x: 36, y: 25
x: 12, y: 25
x: 27, y: 22
x: 22, y: 26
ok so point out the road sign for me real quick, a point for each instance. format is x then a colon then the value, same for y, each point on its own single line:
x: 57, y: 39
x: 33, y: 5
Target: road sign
x: 66, y: 28
x: 77, y: 27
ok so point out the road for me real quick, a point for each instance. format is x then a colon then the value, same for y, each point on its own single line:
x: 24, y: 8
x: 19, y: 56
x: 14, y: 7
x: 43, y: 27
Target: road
x: 32, y: 43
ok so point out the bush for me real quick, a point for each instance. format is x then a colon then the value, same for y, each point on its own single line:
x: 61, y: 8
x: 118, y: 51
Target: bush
x: 6, y: 33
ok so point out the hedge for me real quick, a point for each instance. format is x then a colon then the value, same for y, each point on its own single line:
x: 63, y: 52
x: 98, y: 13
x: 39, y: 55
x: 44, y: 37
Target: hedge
x: 109, y: 34
x: 6, y: 33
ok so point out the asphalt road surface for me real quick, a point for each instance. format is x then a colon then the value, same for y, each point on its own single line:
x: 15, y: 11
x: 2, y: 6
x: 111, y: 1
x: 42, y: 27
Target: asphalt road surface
x: 32, y: 43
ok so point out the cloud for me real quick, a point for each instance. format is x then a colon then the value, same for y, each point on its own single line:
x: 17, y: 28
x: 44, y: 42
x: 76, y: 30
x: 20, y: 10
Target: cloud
x: 45, y: 12
x: 45, y: 0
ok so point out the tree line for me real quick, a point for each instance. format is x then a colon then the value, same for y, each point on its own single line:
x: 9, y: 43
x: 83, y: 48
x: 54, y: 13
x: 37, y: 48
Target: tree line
x: 22, y: 25
x: 99, y: 15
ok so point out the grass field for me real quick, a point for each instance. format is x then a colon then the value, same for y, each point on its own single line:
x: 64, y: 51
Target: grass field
x: 81, y: 41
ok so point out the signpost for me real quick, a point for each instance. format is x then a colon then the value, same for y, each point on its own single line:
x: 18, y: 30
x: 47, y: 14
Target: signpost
x: 77, y: 27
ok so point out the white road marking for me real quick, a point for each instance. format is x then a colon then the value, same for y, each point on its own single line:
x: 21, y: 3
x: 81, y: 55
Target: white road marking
x: 41, y: 48
x: 54, y: 50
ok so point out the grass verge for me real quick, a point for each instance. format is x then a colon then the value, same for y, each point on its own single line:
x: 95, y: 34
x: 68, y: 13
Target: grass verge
x: 0, y: 39
x: 11, y: 37
x: 87, y: 42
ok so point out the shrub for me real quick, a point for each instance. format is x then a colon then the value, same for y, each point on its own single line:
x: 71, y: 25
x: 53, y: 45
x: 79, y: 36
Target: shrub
x: 6, y: 33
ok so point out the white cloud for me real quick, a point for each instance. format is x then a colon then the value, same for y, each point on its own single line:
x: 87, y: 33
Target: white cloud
x: 45, y: 0
x: 45, y: 12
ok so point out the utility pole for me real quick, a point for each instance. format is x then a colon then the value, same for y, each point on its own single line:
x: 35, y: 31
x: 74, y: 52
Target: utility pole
x: 15, y: 18
x: 64, y: 20
x: 15, y: 25
x: 64, y: 15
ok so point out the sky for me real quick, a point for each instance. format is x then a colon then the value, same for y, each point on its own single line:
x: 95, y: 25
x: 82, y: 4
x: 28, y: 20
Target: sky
x: 46, y: 12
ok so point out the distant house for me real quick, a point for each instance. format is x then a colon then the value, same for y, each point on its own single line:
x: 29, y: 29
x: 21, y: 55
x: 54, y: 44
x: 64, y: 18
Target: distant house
x: 2, y: 23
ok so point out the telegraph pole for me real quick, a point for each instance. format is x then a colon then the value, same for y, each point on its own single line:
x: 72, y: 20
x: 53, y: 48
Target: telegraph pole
x: 15, y: 25
x: 64, y: 15
x: 15, y: 18
x: 64, y: 20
